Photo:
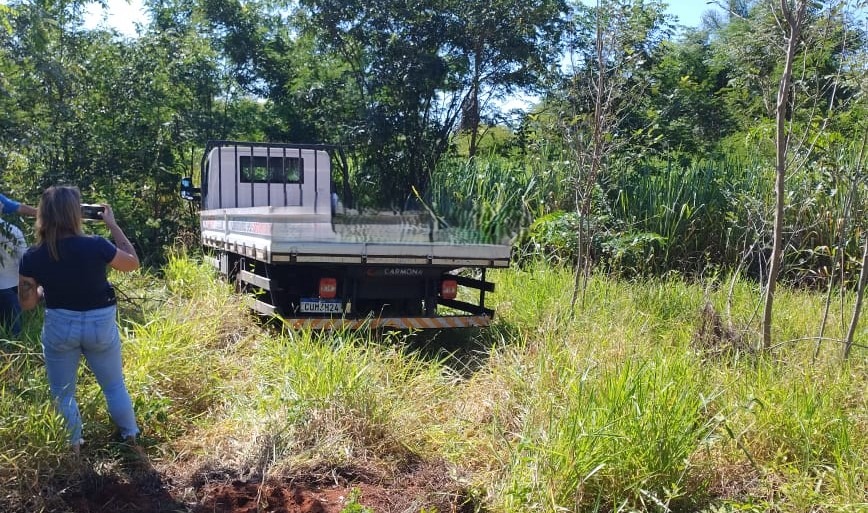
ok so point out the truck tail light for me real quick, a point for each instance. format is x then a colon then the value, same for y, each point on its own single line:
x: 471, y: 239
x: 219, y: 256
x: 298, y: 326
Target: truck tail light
x: 448, y: 289
x: 328, y: 288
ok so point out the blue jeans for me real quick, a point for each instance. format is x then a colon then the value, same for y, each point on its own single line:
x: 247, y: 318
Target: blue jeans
x: 10, y: 310
x: 66, y: 335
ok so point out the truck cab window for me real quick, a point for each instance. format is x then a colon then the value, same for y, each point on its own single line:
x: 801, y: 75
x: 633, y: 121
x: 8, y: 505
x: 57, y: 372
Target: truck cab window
x: 260, y: 169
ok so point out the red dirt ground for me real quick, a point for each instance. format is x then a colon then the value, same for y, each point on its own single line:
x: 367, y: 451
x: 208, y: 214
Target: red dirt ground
x: 241, y: 497
x: 426, y: 486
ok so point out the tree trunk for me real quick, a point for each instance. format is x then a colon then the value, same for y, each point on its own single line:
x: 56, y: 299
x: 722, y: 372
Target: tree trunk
x: 863, y: 276
x: 585, y: 187
x: 471, y: 113
x: 860, y: 296
x: 794, y: 24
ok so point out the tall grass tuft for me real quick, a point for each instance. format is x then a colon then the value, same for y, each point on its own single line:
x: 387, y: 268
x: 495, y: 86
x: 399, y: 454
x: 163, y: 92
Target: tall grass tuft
x: 185, y: 350
x: 342, y: 398
x: 32, y: 436
x: 618, y: 437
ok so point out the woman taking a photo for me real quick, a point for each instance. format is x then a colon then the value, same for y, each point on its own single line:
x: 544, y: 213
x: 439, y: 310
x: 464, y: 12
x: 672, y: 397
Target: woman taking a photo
x: 68, y: 269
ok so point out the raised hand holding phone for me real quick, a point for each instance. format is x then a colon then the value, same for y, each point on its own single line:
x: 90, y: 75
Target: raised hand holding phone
x: 92, y: 212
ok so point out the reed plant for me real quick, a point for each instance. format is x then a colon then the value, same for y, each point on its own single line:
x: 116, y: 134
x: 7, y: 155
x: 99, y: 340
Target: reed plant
x: 662, y: 214
x: 494, y: 198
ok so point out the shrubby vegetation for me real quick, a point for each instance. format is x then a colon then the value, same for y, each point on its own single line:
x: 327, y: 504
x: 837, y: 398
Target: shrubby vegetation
x: 638, y: 193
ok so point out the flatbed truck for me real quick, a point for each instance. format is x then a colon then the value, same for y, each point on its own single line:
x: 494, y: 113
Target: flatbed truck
x: 271, y: 222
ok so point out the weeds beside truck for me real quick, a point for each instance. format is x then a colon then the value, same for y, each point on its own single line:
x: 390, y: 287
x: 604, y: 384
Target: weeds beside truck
x: 273, y: 222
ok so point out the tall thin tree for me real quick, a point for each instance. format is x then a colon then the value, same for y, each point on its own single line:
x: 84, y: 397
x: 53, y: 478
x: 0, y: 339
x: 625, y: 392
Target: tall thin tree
x: 794, y: 16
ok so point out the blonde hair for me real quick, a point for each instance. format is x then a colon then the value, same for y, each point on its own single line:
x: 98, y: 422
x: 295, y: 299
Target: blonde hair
x: 58, y: 216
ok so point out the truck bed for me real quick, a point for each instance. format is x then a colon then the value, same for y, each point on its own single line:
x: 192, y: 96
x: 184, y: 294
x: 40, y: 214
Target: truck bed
x: 295, y: 235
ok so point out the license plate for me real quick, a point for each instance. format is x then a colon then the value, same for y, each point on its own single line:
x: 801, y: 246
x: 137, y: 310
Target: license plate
x: 331, y: 306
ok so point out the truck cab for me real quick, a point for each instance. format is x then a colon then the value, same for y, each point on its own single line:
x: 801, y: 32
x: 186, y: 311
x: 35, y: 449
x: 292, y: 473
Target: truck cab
x: 245, y: 176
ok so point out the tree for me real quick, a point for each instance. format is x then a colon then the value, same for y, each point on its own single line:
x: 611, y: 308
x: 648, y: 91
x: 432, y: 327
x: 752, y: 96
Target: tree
x: 685, y: 109
x: 46, y: 45
x: 116, y: 117
x: 508, y: 45
x: 611, y: 46
x: 391, y: 80
x: 794, y: 17
x: 396, y: 59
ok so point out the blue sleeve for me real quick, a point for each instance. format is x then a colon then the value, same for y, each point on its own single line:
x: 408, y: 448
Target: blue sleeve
x: 9, y: 206
x: 106, y: 249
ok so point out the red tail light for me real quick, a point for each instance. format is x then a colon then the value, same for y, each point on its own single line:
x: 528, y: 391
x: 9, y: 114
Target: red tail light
x: 448, y: 289
x: 328, y: 288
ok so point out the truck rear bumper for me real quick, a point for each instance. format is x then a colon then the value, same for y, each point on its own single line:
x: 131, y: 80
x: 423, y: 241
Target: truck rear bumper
x: 336, y: 323
x: 457, y: 321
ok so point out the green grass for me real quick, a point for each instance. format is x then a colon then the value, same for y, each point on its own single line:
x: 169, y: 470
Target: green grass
x: 614, y: 405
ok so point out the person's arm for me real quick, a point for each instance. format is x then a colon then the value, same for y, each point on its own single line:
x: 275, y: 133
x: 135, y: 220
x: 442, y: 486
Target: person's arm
x: 125, y: 259
x: 11, y: 206
x: 28, y: 292
x: 26, y: 210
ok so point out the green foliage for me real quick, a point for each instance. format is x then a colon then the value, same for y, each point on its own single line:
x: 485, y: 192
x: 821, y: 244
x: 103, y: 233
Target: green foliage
x: 503, y: 46
x: 662, y: 215
x: 353, y: 505
x: 493, y: 140
x: 594, y: 119
x: 178, y: 338
x: 576, y: 448
x: 686, y: 142
x: 333, y: 398
x: 559, y: 412
x: 596, y: 438
x: 685, y: 110
x: 750, y: 50
x: 554, y: 235
x: 121, y: 115
x: 491, y: 198
x: 398, y: 66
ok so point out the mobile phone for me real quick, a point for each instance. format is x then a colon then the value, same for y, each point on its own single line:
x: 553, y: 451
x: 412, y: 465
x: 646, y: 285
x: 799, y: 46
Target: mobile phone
x: 92, y: 212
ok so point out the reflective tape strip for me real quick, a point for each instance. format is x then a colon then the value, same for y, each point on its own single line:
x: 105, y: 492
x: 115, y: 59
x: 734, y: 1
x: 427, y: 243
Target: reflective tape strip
x: 456, y: 321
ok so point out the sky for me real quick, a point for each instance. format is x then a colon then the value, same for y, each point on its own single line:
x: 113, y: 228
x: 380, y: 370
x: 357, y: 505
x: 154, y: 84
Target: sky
x: 124, y: 14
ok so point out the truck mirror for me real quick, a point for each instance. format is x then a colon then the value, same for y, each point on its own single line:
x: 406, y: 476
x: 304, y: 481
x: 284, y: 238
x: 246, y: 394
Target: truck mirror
x: 188, y: 192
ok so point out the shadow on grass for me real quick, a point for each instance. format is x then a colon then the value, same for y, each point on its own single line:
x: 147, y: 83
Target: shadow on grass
x: 464, y: 350
x: 119, y: 478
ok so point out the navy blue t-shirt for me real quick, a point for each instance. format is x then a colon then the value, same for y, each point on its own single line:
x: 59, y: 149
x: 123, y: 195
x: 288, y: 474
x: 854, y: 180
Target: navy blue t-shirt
x: 78, y: 280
